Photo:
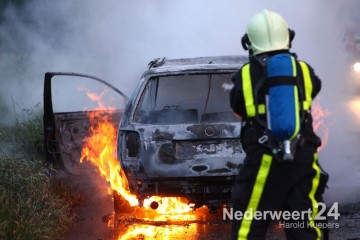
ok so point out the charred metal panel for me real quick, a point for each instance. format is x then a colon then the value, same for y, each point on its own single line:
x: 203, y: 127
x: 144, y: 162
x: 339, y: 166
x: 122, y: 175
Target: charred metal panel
x: 66, y: 132
x: 199, y: 191
x: 71, y: 133
x: 213, y: 131
x: 174, y: 151
x: 203, y: 149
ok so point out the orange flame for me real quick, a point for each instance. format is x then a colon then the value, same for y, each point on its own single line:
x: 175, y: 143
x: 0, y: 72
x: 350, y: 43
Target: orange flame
x: 138, y: 231
x: 100, y: 150
x: 319, y: 116
x: 354, y: 106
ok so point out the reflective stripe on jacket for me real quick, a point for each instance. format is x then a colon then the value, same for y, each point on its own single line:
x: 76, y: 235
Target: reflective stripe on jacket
x: 248, y: 90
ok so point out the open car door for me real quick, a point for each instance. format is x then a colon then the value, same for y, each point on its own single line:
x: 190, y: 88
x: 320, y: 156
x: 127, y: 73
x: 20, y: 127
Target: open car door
x: 67, y: 107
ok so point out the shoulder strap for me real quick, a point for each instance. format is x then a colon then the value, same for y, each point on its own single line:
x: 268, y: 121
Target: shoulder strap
x: 262, y: 60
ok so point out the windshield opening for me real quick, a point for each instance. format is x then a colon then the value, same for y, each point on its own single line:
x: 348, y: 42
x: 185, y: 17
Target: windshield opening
x: 182, y: 99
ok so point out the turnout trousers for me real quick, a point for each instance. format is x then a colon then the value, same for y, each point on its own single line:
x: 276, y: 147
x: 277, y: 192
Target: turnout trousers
x: 265, y: 185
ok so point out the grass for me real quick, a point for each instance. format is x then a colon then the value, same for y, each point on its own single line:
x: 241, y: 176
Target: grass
x: 34, y: 203
x: 25, y: 135
x: 33, y: 206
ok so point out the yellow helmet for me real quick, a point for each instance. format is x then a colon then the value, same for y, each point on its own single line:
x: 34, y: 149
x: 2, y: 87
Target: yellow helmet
x: 267, y: 31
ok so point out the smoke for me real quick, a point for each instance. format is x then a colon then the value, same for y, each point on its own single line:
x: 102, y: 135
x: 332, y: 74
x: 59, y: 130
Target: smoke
x: 115, y: 40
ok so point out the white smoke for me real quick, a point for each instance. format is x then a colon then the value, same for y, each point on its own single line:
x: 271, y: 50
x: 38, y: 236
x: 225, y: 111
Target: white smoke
x: 115, y: 40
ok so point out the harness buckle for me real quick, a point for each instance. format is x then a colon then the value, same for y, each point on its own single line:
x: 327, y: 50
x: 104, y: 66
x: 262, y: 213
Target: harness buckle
x: 263, y: 139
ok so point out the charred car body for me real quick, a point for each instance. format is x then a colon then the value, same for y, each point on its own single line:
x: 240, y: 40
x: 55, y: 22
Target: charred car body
x: 178, y: 136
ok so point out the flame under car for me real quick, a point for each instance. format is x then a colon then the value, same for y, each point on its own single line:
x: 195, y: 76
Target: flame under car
x: 177, y: 136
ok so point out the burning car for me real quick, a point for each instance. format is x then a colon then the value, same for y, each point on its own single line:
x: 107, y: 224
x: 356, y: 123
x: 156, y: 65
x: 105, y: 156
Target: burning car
x: 177, y: 136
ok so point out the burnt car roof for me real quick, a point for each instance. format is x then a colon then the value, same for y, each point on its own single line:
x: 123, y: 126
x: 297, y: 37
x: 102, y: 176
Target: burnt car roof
x: 163, y: 65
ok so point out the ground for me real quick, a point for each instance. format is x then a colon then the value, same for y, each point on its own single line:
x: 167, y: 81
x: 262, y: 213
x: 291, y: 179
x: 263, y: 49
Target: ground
x: 96, y: 219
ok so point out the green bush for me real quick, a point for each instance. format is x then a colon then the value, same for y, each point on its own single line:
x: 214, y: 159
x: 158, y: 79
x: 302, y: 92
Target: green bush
x: 32, y: 205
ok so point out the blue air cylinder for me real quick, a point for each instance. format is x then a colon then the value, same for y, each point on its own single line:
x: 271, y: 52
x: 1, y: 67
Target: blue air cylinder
x: 282, y: 99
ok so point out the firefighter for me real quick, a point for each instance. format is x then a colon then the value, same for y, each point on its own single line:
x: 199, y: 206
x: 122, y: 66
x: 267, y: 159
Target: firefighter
x: 267, y: 182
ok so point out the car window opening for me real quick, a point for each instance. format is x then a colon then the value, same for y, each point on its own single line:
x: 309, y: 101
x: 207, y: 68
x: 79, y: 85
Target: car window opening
x: 185, y: 99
